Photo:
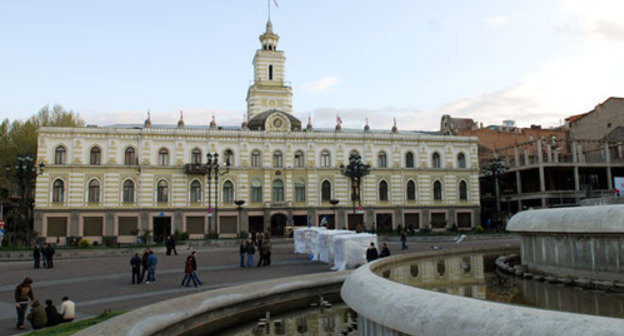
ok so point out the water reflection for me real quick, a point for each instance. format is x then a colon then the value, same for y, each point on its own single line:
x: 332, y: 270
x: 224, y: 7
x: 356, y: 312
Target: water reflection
x: 475, y: 275
x: 336, y: 320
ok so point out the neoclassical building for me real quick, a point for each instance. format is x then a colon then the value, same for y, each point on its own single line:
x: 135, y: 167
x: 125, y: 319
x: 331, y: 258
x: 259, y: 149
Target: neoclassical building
x: 116, y: 181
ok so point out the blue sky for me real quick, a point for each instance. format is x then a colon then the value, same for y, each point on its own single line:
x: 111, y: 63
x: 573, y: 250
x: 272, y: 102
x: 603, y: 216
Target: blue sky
x: 531, y: 61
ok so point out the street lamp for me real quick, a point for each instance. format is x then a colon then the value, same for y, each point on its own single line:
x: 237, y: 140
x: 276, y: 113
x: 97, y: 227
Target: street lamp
x: 239, y: 206
x: 334, y: 202
x: 355, y: 171
x: 212, y: 167
x: 496, y: 168
x: 25, y: 172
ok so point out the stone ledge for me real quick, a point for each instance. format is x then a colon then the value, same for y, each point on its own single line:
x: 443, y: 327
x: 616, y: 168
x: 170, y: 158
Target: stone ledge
x: 207, y: 312
x: 604, y: 219
x: 415, y: 311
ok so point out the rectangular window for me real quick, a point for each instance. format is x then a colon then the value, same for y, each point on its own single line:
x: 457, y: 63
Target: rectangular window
x: 412, y: 221
x: 57, y: 227
x: 256, y: 194
x: 227, y: 224
x: 438, y: 220
x: 195, y: 225
x: 127, y: 226
x: 300, y: 193
x: 464, y: 220
x: 92, y: 226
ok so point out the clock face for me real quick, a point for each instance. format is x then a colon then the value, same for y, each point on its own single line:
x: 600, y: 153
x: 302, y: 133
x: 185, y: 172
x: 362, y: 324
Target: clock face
x: 277, y: 122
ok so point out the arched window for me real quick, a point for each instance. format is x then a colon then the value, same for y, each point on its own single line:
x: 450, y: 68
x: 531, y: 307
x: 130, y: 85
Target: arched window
x: 278, y: 159
x: 270, y: 72
x: 96, y: 156
x: 325, y: 159
x: 409, y: 160
x: 58, y: 191
x: 411, y: 191
x: 300, y: 195
x: 435, y: 158
x: 196, y: 156
x: 60, y: 155
x: 128, y: 191
x: 326, y: 191
x: 163, y: 157
x: 463, y: 190
x: 130, y: 157
x: 256, y: 191
x: 278, y: 191
x: 228, y: 192
x: 195, y: 191
x: 94, y: 191
x: 461, y: 160
x: 383, y: 191
x: 299, y: 159
x: 256, y: 160
x: 382, y: 160
x: 437, y: 190
x: 162, y: 193
x: 228, y: 157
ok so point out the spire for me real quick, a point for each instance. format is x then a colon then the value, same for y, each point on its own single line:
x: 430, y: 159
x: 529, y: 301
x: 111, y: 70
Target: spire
x: 269, y: 27
x: 394, y: 127
x: 213, y: 123
x: 366, y: 127
x: 181, y: 121
x: 244, y: 124
x: 309, y: 125
x: 148, y: 121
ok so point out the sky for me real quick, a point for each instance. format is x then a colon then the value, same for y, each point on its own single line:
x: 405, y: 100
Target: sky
x: 535, y: 62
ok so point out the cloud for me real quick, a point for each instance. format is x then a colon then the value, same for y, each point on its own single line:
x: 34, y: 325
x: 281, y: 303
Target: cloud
x: 320, y: 85
x: 595, y: 19
x: 497, y: 21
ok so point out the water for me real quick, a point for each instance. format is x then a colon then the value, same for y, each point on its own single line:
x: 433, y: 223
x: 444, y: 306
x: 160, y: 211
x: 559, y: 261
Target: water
x: 475, y: 275
x: 315, y: 321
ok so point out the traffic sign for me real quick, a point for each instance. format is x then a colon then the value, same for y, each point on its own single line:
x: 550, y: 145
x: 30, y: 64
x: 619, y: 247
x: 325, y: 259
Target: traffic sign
x: 1, y: 223
x: 210, y: 210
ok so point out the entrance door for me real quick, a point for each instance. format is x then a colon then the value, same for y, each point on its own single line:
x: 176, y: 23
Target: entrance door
x: 278, y: 223
x: 356, y: 222
x: 162, y: 228
x: 256, y: 224
x: 384, y: 222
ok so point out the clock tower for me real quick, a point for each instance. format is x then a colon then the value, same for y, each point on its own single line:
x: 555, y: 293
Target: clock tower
x: 269, y: 90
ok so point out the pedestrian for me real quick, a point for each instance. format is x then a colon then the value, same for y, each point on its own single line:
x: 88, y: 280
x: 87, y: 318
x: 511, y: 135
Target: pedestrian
x: 194, y: 266
x: 385, y: 252
x: 146, y: 254
x: 44, y: 253
x: 242, y: 249
x: 52, y: 314
x: 151, y: 268
x: 135, y: 264
x: 261, y: 254
x: 263, y: 251
x: 253, y: 236
x: 371, y: 253
x: 188, y: 269
x: 37, y: 256
x: 68, y: 310
x: 403, y: 240
x: 191, y: 270
x: 168, y: 245
x: 267, y: 259
x: 251, y: 250
x: 23, y: 292
x: 37, y: 315
x: 172, y: 244
x: 51, y: 256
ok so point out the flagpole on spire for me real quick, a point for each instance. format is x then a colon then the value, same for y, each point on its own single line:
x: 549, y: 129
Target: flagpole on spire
x: 269, y: 7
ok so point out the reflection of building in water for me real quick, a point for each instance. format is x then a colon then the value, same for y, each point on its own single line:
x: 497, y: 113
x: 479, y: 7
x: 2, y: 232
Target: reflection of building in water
x: 305, y: 323
x: 458, y: 274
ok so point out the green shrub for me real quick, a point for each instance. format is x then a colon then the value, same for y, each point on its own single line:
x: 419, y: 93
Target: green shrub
x: 479, y: 229
x: 179, y: 236
x: 399, y: 229
x: 84, y: 244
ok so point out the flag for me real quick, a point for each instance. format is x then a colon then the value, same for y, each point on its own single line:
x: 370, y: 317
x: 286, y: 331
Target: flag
x: 338, y: 120
x: 275, y: 1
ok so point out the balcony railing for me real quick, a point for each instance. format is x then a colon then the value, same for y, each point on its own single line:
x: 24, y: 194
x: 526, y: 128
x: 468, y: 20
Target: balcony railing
x: 195, y: 169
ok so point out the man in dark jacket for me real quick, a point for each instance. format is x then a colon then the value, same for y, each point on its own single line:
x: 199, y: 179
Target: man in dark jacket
x: 242, y: 249
x: 23, y: 292
x: 194, y: 276
x: 251, y: 250
x: 135, y: 263
x: 144, y: 264
x: 37, y: 256
x: 385, y: 252
x: 44, y: 253
x: 371, y: 253
x: 52, y: 314
x: 50, y: 256
x: 151, y: 268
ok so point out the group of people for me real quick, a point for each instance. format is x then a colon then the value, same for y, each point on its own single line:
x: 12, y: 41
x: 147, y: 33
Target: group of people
x: 248, y: 248
x: 372, y: 253
x: 47, y: 252
x: 144, y: 264
x: 39, y: 316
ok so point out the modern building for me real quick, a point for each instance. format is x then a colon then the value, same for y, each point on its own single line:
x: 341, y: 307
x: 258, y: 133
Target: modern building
x: 119, y: 180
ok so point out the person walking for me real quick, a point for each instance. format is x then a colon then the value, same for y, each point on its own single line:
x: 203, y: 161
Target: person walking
x: 151, y: 268
x: 403, y: 240
x: 168, y: 245
x: 242, y: 249
x: 146, y: 254
x: 37, y: 315
x: 172, y: 245
x: 385, y: 251
x: 371, y: 253
x: 37, y: 256
x: 251, y: 250
x: 188, y: 270
x: 135, y: 264
x: 68, y: 310
x: 23, y: 292
x: 52, y: 314
x: 193, y: 273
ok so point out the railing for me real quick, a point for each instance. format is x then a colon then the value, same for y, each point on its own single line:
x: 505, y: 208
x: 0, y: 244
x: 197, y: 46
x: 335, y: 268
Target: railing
x: 195, y: 168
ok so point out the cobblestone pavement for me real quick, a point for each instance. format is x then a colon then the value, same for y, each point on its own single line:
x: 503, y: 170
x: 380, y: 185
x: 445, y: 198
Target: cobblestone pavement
x: 104, y: 283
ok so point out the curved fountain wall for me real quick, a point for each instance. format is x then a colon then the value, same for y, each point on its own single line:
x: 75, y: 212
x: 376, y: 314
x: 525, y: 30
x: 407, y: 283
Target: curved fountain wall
x: 386, y: 307
x: 581, y: 242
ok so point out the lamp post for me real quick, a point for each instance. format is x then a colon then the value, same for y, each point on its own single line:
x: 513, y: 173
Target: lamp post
x: 25, y: 172
x: 355, y: 171
x: 495, y: 168
x: 212, y: 168
x: 239, y: 206
x: 334, y: 202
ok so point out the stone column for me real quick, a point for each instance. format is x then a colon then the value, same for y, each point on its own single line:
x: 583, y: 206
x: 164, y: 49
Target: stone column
x: 267, y: 221
x: 398, y: 218
x: 109, y: 223
x: 74, y: 223
x: 244, y: 221
x: 425, y: 219
x: 451, y: 218
x: 177, y: 222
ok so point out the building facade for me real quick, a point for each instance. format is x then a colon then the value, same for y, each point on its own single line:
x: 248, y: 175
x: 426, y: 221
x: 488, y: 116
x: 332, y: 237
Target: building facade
x: 122, y: 180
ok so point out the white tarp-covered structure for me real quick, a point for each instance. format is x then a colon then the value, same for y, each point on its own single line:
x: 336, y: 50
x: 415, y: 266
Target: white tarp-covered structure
x: 322, y: 248
x: 303, y: 236
x: 350, y: 249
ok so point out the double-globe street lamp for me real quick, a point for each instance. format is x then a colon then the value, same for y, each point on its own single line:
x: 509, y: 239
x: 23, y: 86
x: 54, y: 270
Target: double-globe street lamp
x: 25, y: 172
x: 212, y: 168
x: 355, y: 171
